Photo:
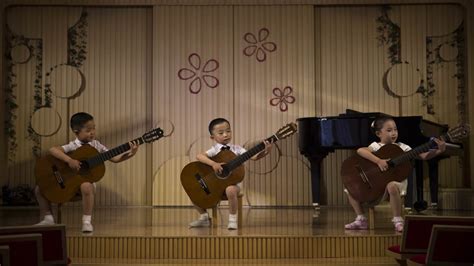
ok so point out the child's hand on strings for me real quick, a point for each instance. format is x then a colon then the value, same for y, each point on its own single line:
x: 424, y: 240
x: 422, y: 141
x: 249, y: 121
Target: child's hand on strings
x: 74, y: 164
x: 382, y: 164
x: 268, y: 147
x: 133, y: 148
x: 441, y: 145
x: 217, y: 167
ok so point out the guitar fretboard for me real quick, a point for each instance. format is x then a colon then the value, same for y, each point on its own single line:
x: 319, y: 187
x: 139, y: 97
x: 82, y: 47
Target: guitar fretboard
x: 412, y: 154
x: 239, y: 160
x: 105, y: 156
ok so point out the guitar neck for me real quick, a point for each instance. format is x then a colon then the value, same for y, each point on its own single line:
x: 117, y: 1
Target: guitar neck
x: 239, y: 160
x: 412, y: 154
x: 105, y: 156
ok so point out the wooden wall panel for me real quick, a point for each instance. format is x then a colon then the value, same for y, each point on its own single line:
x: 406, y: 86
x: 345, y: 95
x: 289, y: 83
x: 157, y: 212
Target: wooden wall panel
x: 113, y: 90
x: 178, y: 33
x: 278, y: 179
x: 329, y: 55
x: 353, y: 64
x: 117, y: 74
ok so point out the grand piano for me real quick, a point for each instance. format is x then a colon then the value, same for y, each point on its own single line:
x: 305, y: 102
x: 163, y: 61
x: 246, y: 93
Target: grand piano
x: 320, y: 135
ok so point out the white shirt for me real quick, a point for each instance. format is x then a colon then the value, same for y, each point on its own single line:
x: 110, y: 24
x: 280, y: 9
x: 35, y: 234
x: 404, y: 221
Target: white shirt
x: 75, y: 144
x: 375, y: 146
x: 216, y: 148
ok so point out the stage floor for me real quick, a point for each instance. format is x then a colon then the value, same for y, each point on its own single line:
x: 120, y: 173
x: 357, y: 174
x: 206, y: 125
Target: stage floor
x: 145, y: 235
x: 173, y: 221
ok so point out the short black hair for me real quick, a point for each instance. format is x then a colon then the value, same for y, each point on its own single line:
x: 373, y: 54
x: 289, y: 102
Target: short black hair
x: 378, y: 123
x: 215, y: 122
x: 78, y: 120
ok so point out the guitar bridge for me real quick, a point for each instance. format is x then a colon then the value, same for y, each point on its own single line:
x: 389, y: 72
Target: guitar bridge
x: 202, y: 183
x: 363, y: 176
x: 58, y: 177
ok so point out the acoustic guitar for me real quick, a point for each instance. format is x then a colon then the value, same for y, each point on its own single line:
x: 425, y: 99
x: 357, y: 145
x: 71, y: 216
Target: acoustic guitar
x: 205, y: 188
x: 59, y: 183
x: 366, y: 182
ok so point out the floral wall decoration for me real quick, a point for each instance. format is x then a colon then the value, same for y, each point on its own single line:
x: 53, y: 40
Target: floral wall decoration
x: 42, y: 96
x: 258, y: 45
x: 389, y: 34
x: 11, y: 105
x: 282, y: 98
x: 38, y: 91
x: 77, y: 41
x: 460, y: 73
x: 199, y: 73
x: 34, y: 50
x: 434, y: 58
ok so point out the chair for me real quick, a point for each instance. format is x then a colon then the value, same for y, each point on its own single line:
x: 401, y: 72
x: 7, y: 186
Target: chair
x: 239, y: 211
x: 24, y: 249
x: 53, y: 240
x: 449, y: 245
x: 417, y: 232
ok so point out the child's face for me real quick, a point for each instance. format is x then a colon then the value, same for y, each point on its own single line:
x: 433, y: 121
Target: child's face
x: 222, y: 133
x: 388, y: 133
x: 87, y: 132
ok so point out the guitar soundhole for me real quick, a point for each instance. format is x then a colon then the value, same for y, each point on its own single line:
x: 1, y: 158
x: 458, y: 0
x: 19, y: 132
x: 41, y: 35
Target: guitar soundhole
x: 225, y: 172
x: 84, y: 168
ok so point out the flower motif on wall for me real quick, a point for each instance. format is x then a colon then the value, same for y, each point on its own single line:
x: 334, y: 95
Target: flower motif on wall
x: 199, y: 73
x: 282, y: 98
x: 259, y: 46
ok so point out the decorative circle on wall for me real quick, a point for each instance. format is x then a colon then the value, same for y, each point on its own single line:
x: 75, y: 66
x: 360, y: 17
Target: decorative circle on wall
x: 274, y: 158
x: 43, y: 128
x: 20, y: 54
x: 402, y: 79
x: 66, y: 82
x: 167, y: 126
x: 448, y: 52
x: 197, y: 146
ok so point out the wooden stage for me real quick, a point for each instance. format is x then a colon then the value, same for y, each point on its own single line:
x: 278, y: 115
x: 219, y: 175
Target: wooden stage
x: 137, y: 234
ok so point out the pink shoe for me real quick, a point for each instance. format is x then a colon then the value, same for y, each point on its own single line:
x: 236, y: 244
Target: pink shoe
x: 398, y: 224
x: 358, y: 224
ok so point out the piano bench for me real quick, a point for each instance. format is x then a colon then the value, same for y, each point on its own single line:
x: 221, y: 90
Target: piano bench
x: 372, y: 213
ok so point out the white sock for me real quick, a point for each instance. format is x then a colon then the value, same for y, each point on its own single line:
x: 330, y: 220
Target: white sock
x: 204, y: 216
x: 232, y: 217
x: 397, y: 219
x: 361, y: 217
x: 86, y: 218
x: 49, y: 218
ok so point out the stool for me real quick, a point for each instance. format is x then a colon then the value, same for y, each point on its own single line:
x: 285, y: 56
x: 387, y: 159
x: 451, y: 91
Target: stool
x: 372, y: 213
x: 239, y: 210
x: 77, y: 197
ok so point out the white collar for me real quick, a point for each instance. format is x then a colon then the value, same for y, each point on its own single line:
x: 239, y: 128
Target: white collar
x: 219, y: 145
x: 79, y: 143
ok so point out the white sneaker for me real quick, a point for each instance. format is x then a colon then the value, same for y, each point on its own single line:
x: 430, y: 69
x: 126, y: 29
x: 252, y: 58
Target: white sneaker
x: 200, y: 223
x: 232, y: 225
x: 87, y: 227
x: 45, y: 222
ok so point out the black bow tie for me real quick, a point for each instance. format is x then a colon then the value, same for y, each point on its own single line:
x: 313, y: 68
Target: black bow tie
x: 225, y: 147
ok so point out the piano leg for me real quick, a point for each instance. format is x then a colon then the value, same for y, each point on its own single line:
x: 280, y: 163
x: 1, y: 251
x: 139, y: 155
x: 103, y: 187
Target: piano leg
x: 315, y: 162
x: 420, y: 204
x: 433, y: 174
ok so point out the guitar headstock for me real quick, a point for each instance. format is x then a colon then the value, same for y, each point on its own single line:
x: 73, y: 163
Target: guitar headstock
x: 152, y: 135
x: 456, y: 134
x: 286, y: 131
